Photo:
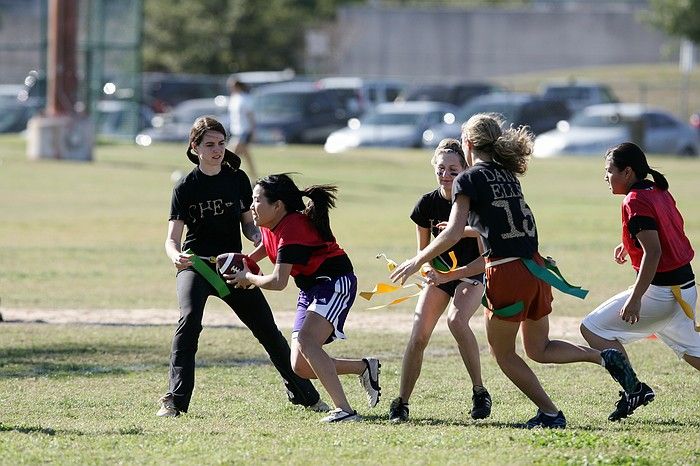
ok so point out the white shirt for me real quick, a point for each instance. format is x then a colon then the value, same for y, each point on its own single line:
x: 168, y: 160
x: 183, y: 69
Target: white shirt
x: 240, y: 109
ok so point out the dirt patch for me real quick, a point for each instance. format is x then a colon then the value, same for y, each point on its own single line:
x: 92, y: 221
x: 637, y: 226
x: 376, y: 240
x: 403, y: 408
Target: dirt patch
x: 561, y: 327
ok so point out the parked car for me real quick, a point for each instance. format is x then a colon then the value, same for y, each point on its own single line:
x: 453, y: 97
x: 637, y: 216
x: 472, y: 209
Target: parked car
x: 397, y: 124
x: 596, y: 128
x: 175, y: 126
x: 518, y: 109
x: 162, y: 91
x: 121, y: 118
x: 578, y: 94
x: 455, y: 94
x: 360, y: 95
x: 16, y: 108
x: 296, y: 112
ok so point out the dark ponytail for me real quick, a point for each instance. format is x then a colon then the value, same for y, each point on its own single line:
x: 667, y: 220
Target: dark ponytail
x: 282, y: 188
x: 630, y: 155
x: 322, y: 200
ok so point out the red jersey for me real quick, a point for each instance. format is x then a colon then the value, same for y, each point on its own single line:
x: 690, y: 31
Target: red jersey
x: 296, y: 228
x: 646, y: 200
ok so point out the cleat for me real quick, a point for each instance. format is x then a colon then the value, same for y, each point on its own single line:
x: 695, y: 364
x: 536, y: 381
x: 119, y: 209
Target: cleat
x: 541, y: 420
x: 370, y: 381
x: 398, y: 411
x: 481, y: 404
x: 167, y: 406
x: 628, y: 403
x: 338, y: 415
x: 320, y: 407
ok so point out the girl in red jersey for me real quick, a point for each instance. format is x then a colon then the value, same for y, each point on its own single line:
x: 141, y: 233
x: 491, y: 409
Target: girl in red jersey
x: 298, y: 240
x: 430, y: 215
x: 663, y: 298
x: 488, y: 196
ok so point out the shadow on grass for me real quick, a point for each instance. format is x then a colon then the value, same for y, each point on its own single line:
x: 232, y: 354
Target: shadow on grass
x: 133, y: 430
x: 71, y: 359
x: 28, y: 429
x: 661, y: 425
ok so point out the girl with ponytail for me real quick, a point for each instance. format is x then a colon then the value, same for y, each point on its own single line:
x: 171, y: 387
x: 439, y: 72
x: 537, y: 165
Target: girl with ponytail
x: 297, y: 238
x: 489, y: 198
x: 663, y: 297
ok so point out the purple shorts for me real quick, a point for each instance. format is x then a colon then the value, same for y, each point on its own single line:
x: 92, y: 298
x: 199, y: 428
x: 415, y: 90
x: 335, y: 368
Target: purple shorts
x: 331, y: 298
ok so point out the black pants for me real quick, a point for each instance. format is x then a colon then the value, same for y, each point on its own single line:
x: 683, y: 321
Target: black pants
x: 251, y: 307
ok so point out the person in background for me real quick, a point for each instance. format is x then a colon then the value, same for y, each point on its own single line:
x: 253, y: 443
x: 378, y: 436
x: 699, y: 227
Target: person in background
x: 663, y: 297
x: 242, y: 122
x: 213, y: 201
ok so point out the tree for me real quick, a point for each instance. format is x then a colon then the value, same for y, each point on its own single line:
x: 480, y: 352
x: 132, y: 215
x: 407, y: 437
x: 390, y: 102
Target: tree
x: 679, y: 18
x: 224, y: 36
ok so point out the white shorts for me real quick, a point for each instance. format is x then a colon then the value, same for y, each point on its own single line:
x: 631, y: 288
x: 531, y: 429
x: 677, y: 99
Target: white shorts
x: 660, y: 315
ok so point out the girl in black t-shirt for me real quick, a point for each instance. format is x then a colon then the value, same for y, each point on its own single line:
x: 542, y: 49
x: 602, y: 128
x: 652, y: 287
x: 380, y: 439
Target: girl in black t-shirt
x: 213, y: 202
x: 430, y: 215
x: 488, y: 197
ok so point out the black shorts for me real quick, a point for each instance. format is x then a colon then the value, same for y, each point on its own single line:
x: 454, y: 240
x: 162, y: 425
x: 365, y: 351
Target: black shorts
x: 451, y: 287
x: 244, y: 138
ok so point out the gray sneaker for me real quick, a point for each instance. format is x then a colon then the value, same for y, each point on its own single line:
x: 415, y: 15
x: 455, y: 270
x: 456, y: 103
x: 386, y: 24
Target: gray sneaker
x: 320, y: 407
x: 370, y: 381
x: 338, y: 415
x: 167, y: 406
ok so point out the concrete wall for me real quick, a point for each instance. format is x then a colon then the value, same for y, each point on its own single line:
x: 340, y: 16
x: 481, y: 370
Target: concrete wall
x: 458, y: 44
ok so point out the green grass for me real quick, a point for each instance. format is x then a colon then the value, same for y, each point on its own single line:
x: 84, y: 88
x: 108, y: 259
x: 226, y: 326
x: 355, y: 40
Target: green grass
x: 78, y: 235
x: 89, y: 236
x: 86, y: 394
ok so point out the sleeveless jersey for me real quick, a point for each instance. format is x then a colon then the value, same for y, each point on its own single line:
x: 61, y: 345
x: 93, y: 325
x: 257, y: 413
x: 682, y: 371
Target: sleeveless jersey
x: 646, y: 200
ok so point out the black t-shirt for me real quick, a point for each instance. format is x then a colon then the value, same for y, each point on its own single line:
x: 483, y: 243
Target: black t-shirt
x: 432, y: 209
x: 498, y: 210
x: 211, y: 207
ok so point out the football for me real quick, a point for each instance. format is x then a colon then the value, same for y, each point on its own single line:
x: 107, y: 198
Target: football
x: 233, y: 261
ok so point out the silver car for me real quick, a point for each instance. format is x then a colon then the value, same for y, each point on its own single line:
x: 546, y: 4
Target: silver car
x: 598, y: 127
x: 398, y: 124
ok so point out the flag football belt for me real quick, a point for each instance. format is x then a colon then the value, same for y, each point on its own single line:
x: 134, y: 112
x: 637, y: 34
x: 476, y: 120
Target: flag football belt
x: 210, y: 259
x: 548, y: 273
x: 687, y: 309
x: 208, y: 274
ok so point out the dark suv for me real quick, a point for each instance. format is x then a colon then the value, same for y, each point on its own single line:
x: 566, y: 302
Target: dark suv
x: 455, y: 93
x: 296, y: 112
x: 538, y: 113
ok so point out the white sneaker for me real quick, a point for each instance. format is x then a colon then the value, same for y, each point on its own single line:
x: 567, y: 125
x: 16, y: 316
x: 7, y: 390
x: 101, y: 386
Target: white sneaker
x: 167, y: 406
x: 370, y: 381
x: 320, y: 407
x: 338, y: 415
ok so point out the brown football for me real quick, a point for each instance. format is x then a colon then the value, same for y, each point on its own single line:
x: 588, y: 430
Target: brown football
x: 233, y: 261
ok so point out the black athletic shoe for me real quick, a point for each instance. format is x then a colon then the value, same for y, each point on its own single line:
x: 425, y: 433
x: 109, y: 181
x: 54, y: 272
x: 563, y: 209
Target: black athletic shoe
x: 620, y: 369
x: 628, y: 403
x: 398, y: 411
x: 481, y: 404
x: 547, y: 422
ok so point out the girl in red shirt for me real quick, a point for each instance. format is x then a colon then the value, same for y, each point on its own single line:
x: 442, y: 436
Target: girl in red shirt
x: 298, y: 240
x: 662, y: 299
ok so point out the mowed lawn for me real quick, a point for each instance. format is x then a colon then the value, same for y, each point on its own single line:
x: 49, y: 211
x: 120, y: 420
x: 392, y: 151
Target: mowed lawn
x: 90, y: 236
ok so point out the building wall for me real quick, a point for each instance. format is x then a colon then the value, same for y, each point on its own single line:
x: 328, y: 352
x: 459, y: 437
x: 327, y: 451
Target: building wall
x: 458, y: 44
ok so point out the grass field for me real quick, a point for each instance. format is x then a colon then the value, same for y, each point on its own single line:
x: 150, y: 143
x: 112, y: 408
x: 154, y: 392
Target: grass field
x: 89, y: 236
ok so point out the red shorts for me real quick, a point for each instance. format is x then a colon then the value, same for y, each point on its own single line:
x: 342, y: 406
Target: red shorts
x: 511, y: 282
